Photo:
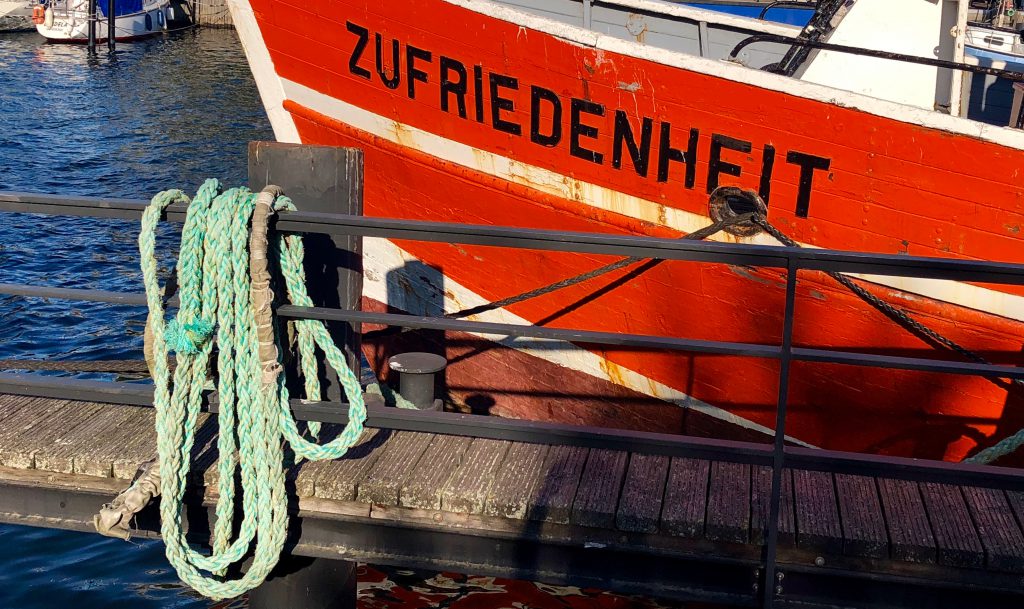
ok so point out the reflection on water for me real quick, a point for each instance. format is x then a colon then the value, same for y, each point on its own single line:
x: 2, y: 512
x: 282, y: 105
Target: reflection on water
x: 166, y: 112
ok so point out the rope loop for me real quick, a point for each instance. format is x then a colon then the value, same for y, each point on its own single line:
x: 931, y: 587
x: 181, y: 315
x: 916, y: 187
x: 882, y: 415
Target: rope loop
x: 219, y: 306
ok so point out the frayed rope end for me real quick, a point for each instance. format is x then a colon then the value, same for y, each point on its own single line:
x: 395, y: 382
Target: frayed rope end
x: 188, y: 338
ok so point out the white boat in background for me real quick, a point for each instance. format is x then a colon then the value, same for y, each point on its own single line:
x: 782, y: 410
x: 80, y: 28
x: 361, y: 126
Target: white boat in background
x: 15, y: 15
x: 68, y: 20
x: 995, y: 31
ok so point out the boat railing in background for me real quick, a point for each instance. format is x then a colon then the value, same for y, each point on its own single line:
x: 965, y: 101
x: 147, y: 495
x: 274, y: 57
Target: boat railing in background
x: 792, y: 261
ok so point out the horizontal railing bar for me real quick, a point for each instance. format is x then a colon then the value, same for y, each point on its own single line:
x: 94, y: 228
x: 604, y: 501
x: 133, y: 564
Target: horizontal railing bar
x: 524, y: 331
x: 83, y: 294
x: 553, y: 240
x: 99, y: 207
x: 561, y: 334
x: 540, y: 432
x: 399, y: 419
x: 135, y: 394
x: 873, y: 360
x: 537, y: 239
x: 904, y: 468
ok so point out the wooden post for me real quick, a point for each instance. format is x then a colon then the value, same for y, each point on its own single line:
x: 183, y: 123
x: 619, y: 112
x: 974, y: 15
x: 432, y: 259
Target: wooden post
x: 309, y: 583
x: 322, y: 179
x: 111, y: 29
x: 92, y: 27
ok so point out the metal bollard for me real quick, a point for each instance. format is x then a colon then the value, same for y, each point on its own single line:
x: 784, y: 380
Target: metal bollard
x: 417, y: 381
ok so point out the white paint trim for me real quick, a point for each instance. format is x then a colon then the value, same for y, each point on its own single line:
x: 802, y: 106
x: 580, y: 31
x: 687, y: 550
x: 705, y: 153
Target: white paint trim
x: 730, y: 71
x: 267, y: 81
x: 559, y: 185
x: 417, y: 297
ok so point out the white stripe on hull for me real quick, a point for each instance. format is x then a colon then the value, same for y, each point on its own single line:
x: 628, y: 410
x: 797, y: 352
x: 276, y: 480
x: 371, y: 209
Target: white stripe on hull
x: 999, y: 303
x: 267, y: 82
x: 381, y: 258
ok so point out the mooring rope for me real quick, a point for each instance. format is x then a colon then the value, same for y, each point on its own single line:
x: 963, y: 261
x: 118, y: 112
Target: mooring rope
x: 219, y: 299
x: 1002, y: 448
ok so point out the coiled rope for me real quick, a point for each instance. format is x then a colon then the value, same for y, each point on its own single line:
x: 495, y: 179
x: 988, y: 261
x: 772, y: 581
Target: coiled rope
x: 225, y: 293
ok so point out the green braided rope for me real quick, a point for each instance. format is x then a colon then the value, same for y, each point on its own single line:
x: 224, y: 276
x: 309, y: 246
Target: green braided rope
x: 1004, y: 447
x: 254, y: 422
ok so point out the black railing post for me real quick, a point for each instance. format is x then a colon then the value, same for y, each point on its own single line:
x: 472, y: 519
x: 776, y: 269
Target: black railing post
x: 768, y: 587
x: 110, y: 26
x: 92, y: 27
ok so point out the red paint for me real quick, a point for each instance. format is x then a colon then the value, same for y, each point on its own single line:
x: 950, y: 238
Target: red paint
x: 891, y: 187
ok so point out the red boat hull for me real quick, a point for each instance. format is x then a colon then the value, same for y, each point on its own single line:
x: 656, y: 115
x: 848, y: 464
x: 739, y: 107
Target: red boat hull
x: 501, y: 122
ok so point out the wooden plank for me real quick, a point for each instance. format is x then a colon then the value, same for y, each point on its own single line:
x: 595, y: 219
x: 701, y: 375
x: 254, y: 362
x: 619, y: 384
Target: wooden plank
x: 58, y: 455
x: 384, y: 481
x: 910, y: 535
x: 517, y: 480
x: 997, y: 528
x: 861, y: 513
x: 817, y: 512
x: 467, y: 489
x: 98, y: 459
x: 642, y: 493
x: 11, y: 406
x: 957, y: 541
x: 139, y: 449
x: 1017, y: 504
x: 729, y: 502
x: 339, y: 478
x: 41, y: 417
x: 686, y: 497
x: 560, y: 478
x: 597, y: 496
x: 436, y: 466
x: 64, y: 421
x: 760, y: 505
x: 304, y: 475
x: 62, y: 456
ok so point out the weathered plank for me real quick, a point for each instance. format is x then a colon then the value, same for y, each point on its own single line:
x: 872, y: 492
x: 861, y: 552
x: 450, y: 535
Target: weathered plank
x: 559, y: 479
x: 72, y: 415
x: 304, y: 476
x: 11, y: 406
x: 466, y: 490
x: 60, y: 457
x: 98, y: 459
x: 997, y: 528
x: 1017, y: 504
x: 340, y: 478
x: 642, y: 493
x: 517, y: 479
x: 729, y: 502
x: 686, y: 497
x: 862, y: 520
x: 910, y: 534
x: 41, y: 417
x: 139, y: 449
x: 384, y: 481
x: 817, y: 513
x: 436, y: 466
x: 957, y: 541
x: 598, y: 494
x: 760, y: 505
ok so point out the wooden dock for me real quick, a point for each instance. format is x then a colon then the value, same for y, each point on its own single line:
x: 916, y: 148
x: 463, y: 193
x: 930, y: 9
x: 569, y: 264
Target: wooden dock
x: 658, y: 514
x: 680, y: 527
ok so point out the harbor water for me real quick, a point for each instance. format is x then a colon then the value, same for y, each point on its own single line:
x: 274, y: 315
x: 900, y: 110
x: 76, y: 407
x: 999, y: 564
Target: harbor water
x: 167, y: 112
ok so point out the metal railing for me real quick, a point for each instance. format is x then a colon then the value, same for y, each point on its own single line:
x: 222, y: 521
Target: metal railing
x: 791, y: 260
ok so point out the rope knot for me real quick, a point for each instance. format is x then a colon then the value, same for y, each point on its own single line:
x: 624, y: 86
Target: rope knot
x: 188, y: 338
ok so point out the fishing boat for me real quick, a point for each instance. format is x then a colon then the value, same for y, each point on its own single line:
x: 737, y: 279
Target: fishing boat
x: 15, y: 15
x: 627, y: 116
x: 68, y: 20
x: 996, y: 31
